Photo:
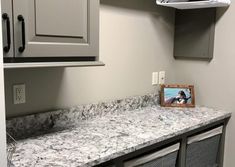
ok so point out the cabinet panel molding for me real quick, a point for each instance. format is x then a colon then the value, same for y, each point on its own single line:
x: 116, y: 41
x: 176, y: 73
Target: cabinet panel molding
x: 55, y: 28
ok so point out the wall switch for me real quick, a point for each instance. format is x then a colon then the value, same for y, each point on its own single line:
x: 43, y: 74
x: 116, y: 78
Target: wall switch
x: 19, y: 94
x: 162, y: 77
x: 154, y: 78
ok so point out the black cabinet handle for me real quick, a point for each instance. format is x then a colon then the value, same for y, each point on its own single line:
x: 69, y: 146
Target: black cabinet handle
x: 6, y: 17
x: 21, y: 19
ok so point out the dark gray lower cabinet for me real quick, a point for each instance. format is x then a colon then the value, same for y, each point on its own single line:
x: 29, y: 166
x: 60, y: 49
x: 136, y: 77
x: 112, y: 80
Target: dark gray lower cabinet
x: 163, y: 158
x: 203, y: 149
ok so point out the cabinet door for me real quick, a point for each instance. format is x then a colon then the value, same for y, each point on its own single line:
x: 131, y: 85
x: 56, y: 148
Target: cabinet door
x: 56, y: 28
x: 7, y: 30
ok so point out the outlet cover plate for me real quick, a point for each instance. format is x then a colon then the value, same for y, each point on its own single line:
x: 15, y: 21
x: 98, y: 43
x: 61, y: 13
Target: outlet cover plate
x: 19, y: 94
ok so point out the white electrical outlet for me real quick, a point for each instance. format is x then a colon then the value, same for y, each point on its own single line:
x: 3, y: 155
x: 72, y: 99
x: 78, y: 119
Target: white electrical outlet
x: 162, y: 77
x: 154, y: 78
x: 19, y: 94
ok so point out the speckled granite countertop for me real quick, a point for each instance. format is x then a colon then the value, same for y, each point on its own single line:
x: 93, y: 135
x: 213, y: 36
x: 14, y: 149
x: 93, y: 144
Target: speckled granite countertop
x: 107, y: 136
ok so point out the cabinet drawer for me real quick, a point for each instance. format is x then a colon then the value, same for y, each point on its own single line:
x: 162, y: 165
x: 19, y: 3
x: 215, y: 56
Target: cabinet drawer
x: 162, y: 158
x: 202, y: 149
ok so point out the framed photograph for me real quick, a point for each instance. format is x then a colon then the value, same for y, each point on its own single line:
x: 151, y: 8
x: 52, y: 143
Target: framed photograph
x: 177, y: 96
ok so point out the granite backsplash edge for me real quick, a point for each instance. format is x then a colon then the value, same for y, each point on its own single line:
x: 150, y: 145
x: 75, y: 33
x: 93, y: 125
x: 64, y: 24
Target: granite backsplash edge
x: 48, y: 122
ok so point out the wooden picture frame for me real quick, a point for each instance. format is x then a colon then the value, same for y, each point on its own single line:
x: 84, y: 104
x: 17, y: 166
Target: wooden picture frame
x: 177, y: 96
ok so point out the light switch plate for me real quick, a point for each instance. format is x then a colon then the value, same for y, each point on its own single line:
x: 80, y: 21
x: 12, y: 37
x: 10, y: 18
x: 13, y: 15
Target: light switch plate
x: 154, y: 78
x: 162, y: 77
x: 19, y: 94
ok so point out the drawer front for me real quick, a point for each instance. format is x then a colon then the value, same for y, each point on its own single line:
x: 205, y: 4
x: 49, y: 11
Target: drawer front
x: 166, y: 161
x: 204, y: 152
x: 163, y: 158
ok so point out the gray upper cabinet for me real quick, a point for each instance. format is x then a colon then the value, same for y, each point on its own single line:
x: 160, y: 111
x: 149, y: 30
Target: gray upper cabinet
x: 194, y: 34
x: 55, y: 28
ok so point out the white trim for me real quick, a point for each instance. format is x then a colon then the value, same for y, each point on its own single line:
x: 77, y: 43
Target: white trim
x: 3, y: 156
x: 205, y: 135
x: 150, y: 157
x: 195, y: 4
x: 53, y: 64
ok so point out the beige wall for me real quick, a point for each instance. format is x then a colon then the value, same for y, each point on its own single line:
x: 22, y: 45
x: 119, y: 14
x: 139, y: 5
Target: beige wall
x: 215, y: 80
x: 136, y: 38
